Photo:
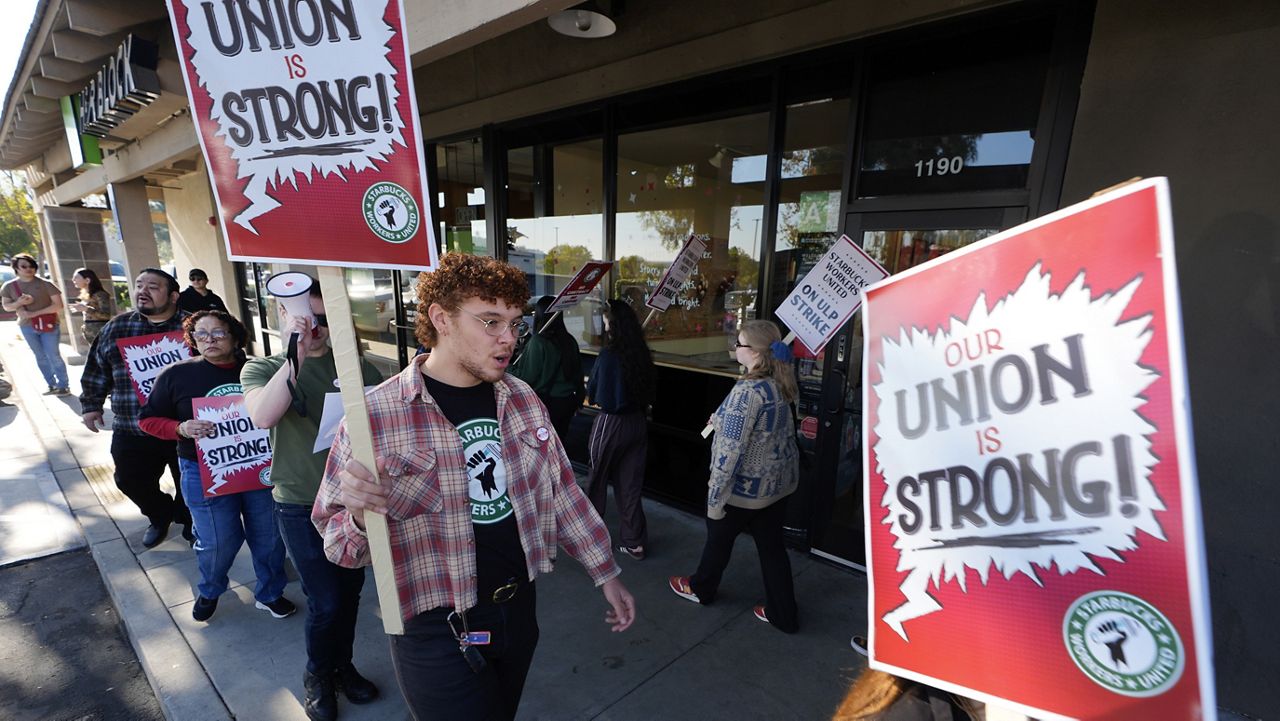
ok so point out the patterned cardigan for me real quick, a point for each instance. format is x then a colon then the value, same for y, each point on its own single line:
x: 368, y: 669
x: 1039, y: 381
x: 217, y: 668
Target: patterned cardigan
x: 754, y: 461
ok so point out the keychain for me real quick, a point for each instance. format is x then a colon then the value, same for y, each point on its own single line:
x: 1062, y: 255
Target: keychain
x: 468, y: 640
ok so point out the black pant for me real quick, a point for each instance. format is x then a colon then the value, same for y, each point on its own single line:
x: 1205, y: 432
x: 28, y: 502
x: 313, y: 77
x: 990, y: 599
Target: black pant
x: 765, y: 525
x: 619, y: 445
x: 140, y: 461
x: 437, y: 682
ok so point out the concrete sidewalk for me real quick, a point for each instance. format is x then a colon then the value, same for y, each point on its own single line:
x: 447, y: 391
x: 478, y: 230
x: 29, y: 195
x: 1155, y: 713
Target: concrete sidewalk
x: 679, y: 660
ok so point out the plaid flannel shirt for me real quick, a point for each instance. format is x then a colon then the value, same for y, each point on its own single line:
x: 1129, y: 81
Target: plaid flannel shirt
x: 429, y: 511
x: 105, y: 374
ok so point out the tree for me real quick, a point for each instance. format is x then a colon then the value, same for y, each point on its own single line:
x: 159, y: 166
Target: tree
x: 566, y: 259
x: 19, y: 231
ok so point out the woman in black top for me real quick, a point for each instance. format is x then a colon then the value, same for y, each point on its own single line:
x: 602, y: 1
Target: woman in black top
x: 222, y: 523
x: 552, y: 366
x: 622, y: 385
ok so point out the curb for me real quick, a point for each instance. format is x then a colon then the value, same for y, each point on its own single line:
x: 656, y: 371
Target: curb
x: 180, y: 683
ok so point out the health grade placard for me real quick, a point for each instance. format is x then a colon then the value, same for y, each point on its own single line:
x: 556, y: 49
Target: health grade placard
x: 1032, y: 517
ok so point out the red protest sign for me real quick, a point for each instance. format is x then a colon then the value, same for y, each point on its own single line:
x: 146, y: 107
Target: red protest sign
x: 587, y: 278
x: 146, y: 355
x: 1031, y: 490
x: 237, y: 456
x: 310, y: 131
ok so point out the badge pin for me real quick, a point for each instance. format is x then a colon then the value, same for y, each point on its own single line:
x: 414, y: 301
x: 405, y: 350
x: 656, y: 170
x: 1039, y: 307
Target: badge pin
x: 543, y: 434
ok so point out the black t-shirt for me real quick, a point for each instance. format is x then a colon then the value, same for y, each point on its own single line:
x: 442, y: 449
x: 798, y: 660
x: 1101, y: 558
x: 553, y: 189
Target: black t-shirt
x: 474, y: 412
x: 191, y: 301
x: 179, y: 383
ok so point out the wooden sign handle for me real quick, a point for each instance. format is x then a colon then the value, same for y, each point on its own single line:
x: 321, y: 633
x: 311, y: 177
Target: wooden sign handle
x: 346, y: 356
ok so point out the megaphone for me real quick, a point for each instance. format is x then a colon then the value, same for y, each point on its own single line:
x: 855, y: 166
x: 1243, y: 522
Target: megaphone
x: 293, y: 291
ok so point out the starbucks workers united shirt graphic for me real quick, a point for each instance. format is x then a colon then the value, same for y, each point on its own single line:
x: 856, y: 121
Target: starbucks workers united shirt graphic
x: 486, y: 471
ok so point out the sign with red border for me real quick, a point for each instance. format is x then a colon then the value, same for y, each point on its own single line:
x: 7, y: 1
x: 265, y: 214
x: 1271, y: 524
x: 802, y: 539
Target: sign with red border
x: 146, y: 355
x: 678, y: 272
x: 307, y: 118
x: 1032, y: 518
x: 586, y: 279
x: 237, y: 456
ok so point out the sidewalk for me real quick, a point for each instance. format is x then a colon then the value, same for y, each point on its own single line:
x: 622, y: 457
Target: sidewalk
x: 679, y: 660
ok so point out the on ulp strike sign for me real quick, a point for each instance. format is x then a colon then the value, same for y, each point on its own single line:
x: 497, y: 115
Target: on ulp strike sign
x: 307, y: 118
x: 1032, y: 514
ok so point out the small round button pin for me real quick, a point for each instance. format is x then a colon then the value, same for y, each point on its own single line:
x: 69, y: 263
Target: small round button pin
x: 543, y: 434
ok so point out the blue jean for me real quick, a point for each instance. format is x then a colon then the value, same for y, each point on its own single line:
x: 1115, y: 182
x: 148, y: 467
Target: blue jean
x: 222, y: 525
x: 333, y: 592
x: 48, y: 356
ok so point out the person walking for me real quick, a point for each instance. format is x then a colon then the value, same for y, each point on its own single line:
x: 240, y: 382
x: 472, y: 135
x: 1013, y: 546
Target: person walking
x: 622, y: 385
x: 94, y: 303
x: 477, y: 493
x: 37, y: 302
x: 552, y: 366
x: 754, y: 467
x: 221, y: 523
x: 197, y: 296
x: 140, y: 459
x: 289, y: 400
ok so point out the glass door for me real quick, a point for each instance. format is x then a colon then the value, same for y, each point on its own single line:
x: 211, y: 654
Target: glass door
x: 898, y: 240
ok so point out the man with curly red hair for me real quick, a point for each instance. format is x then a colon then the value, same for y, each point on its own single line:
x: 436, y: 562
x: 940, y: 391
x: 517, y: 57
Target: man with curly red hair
x: 478, y: 493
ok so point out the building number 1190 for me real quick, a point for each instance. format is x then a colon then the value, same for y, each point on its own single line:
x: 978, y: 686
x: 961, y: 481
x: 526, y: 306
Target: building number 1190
x: 939, y: 166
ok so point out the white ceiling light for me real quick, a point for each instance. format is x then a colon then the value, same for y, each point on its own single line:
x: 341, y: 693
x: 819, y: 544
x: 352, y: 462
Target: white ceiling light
x: 588, y: 20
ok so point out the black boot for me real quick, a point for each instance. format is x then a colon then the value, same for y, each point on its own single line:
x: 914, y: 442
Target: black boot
x: 321, y: 703
x: 355, y: 687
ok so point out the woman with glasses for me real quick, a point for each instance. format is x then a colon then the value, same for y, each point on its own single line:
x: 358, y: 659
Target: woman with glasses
x: 94, y: 302
x: 754, y: 467
x: 622, y: 385
x: 552, y: 366
x: 38, y: 304
x: 222, y: 523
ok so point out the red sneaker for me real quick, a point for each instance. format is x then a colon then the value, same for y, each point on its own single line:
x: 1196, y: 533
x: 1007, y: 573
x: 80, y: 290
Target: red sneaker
x: 759, y: 611
x: 680, y: 586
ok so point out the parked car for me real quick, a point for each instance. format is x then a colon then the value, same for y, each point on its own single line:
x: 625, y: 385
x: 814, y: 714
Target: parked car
x: 6, y: 275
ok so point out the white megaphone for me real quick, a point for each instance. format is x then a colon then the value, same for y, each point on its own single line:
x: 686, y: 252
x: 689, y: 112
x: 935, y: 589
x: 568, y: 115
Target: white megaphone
x: 293, y: 291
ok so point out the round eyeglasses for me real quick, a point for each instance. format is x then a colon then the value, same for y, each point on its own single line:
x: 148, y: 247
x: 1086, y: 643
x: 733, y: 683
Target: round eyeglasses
x: 519, y: 329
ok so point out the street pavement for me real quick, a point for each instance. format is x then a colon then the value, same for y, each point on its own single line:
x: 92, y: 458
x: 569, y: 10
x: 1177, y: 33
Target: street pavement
x: 679, y: 660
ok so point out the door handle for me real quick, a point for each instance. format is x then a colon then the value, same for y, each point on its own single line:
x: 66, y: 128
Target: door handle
x: 833, y: 398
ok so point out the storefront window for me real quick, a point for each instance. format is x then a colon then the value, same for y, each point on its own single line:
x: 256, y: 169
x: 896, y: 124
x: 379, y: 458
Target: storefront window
x: 898, y: 250
x: 705, y: 178
x: 954, y: 113
x: 460, y: 196
x: 555, y: 220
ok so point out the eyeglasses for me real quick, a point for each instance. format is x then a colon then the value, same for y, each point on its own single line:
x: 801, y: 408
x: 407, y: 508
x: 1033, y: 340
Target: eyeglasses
x: 519, y: 328
x: 737, y: 344
x: 26, y: 266
x: 206, y: 336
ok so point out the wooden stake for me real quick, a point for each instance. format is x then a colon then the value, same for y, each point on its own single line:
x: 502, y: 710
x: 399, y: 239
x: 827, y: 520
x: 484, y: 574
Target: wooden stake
x: 653, y: 313
x: 1117, y: 186
x: 346, y: 356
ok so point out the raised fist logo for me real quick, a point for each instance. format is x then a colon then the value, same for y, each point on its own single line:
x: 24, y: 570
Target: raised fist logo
x: 1113, y: 633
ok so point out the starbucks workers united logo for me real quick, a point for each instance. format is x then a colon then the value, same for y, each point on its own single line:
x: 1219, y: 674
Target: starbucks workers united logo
x: 1123, y: 643
x: 486, y: 473
x: 390, y: 212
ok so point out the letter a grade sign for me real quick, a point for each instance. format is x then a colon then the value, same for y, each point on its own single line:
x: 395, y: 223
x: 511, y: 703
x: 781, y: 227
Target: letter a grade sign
x: 1033, y: 524
x: 307, y: 118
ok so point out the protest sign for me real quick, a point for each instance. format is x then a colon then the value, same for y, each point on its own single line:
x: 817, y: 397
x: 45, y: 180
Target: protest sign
x: 676, y: 273
x: 827, y: 296
x: 237, y: 456
x: 146, y: 355
x: 585, y: 281
x: 306, y: 115
x: 1032, y: 518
